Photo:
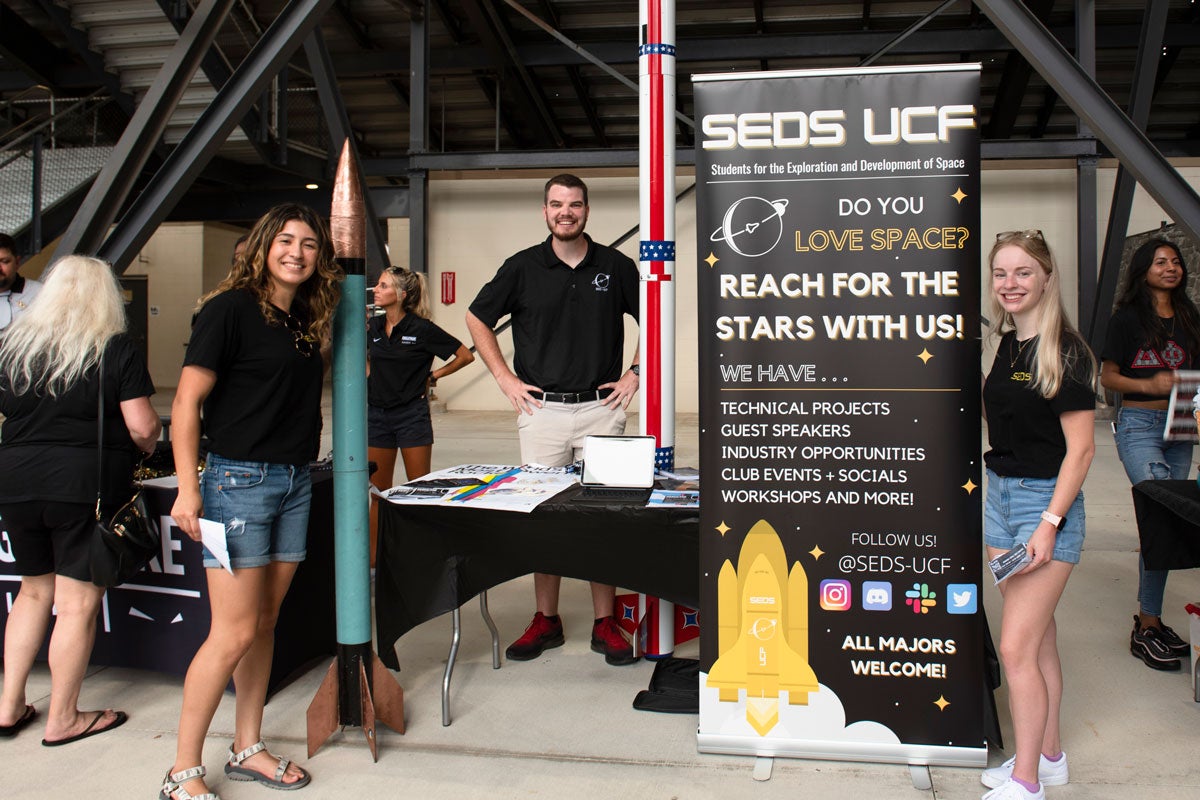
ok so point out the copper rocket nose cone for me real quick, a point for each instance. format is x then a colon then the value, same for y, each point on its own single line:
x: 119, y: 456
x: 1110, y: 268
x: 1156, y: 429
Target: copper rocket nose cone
x: 347, y: 213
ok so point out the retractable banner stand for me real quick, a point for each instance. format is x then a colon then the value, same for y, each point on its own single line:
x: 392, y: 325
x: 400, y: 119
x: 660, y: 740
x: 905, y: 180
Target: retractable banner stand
x: 839, y: 280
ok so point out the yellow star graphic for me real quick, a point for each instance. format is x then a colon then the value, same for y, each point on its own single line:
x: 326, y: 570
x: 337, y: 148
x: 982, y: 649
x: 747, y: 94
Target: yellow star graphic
x: 816, y: 552
x: 723, y: 528
x: 941, y: 702
x: 925, y: 355
x: 969, y: 486
x: 959, y: 195
x: 711, y: 260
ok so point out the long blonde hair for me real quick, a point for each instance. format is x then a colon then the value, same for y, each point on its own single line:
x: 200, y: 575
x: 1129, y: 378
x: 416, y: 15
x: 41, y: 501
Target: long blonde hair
x: 318, y: 296
x: 65, y: 329
x: 1050, y: 360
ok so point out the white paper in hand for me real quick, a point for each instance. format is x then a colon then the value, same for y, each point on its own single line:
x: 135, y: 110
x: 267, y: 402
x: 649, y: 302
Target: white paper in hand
x: 1008, y: 564
x: 212, y: 535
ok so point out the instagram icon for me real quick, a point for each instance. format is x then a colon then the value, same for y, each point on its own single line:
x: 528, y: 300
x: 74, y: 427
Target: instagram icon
x: 835, y: 595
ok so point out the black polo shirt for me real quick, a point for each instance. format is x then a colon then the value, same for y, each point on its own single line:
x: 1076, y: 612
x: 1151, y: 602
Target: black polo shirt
x: 568, y: 330
x: 266, y: 403
x: 1024, y: 429
x: 400, y: 363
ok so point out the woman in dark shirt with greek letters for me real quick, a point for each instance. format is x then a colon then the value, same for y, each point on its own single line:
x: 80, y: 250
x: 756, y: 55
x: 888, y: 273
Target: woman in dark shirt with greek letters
x: 50, y: 384
x: 1154, y: 331
x: 254, y: 367
x: 402, y: 343
x: 1040, y: 406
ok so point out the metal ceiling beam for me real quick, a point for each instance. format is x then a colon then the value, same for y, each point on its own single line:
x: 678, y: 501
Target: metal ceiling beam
x: 246, y: 206
x: 578, y: 84
x: 338, y: 124
x: 1154, y: 23
x: 717, y: 49
x: 418, y: 142
x: 1090, y: 102
x: 201, y: 143
x: 491, y: 27
x: 363, y: 40
x: 1014, y: 81
x: 905, y: 34
x: 124, y: 165
x: 21, y: 44
x: 1086, y: 213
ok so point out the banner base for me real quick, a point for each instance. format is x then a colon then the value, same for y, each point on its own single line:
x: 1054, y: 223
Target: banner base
x: 835, y: 750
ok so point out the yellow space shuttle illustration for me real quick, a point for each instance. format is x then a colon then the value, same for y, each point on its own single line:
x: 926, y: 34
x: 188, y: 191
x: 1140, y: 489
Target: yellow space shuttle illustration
x: 762, y: 630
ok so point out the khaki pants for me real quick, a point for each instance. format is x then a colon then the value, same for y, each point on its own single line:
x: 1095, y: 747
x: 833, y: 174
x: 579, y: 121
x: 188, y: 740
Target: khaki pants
x: 553, y: 434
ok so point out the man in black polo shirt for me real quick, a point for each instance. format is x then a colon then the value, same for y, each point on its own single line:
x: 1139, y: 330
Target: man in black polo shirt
x: 567, y: 297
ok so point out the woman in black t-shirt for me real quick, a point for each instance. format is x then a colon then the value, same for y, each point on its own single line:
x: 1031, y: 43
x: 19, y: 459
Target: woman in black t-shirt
x: 1154, y: 331
x: 1040, y: 407
x: 50, y: 386
x: 254, y: 367
x: 401, y: 347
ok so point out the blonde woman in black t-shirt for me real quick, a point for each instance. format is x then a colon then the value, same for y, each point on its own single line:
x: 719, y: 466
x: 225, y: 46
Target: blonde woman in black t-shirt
x: 254, y: 366
x: 401, y: 345
x: 1040, y: 408
x: 1154, y: 331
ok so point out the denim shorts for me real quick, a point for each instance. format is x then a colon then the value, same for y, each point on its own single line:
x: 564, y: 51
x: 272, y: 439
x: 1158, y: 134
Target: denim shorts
x: 1014, y: 509
x: 264, y: 508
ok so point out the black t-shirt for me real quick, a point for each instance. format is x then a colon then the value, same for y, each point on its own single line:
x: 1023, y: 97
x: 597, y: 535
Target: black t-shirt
x: 1024, y: 430
x: 1128, y: 346
x: 568, y: 330
x: 49, y: 443
x: 400, y: 363
x: 266, y: 403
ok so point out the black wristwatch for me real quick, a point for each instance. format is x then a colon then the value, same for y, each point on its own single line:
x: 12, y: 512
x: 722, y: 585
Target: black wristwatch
x: 636, y: 369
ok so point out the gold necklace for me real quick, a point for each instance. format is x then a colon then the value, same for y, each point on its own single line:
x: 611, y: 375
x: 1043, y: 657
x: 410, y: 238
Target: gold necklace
x: 1012, y: 363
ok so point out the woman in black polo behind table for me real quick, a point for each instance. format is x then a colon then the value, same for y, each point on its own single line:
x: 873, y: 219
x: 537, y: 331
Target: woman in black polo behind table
x: 402, y: 343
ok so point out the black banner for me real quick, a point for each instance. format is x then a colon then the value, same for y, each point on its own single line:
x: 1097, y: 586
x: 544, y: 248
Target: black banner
x: 838, y: 224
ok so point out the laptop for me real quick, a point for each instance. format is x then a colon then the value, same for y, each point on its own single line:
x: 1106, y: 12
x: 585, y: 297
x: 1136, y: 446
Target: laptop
x: 617, y: 469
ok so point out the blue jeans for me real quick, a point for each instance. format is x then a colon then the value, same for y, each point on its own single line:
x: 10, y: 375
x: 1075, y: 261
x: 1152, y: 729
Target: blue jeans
x: 1013, y: 510
x: 1146, y: 457
x: 264, y: 507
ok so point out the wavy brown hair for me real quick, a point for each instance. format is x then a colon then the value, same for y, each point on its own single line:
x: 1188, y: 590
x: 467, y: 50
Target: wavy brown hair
x: 318, y: 296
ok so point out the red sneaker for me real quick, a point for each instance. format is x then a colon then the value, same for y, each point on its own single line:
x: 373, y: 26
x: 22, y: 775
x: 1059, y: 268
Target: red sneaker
x: 544, y: 632
x: 609, y: 639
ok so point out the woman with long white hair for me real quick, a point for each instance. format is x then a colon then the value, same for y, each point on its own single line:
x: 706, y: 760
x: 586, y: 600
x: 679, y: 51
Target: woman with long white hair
x: 50, y: 382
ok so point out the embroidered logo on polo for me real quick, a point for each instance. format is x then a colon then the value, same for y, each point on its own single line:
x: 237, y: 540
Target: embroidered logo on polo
x: 408, y: 340
x: 600, y: 282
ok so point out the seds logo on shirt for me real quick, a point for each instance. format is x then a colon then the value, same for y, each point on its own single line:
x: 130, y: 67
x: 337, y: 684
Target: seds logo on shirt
x: 600, y: 282
x: 1023, y: 377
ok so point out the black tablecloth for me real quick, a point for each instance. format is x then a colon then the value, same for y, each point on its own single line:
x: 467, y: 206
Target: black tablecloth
x: 432, y: 559
x: 160, y: 618
x: 1168, y: 519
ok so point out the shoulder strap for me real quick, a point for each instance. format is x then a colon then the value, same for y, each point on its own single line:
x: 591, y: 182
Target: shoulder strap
x: 99, y: 432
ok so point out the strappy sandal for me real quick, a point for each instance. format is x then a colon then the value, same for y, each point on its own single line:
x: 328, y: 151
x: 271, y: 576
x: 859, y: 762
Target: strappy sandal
x: 237, y: 772
x: 173, y: 790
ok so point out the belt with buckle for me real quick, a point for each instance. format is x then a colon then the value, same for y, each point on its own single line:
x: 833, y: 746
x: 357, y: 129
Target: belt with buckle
x: 571, y: 397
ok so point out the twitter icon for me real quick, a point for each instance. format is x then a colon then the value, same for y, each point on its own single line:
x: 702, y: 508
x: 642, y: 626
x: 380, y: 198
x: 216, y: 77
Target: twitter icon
x: 962, y: 598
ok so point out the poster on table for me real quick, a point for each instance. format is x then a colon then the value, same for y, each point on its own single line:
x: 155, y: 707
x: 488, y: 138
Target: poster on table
x: 838, y: 281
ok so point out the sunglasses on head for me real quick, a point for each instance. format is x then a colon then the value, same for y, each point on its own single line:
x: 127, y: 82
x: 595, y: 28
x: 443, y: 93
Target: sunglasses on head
x: 1029, y: 234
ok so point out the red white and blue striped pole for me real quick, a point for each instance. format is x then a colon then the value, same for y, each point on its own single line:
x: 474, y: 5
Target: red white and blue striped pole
x: 656, y: 139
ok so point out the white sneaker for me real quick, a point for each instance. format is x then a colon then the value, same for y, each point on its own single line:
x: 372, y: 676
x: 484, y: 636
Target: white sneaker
x: 1050, y: 773
x: 1011, y: 790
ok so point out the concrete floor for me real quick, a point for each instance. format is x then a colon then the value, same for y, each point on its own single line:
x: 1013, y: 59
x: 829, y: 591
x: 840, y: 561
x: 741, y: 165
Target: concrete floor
x: 563, y: 726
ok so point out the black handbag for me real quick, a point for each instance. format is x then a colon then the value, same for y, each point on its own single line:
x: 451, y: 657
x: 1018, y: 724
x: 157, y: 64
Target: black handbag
x: 123, y: 545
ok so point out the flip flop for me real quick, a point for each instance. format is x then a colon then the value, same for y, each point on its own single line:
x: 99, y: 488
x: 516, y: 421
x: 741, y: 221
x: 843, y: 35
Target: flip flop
x: 7, y: 731
x: 90, y: 730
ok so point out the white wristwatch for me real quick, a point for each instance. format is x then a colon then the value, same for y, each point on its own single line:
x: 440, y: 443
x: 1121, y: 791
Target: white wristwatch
x: 1053, y: 519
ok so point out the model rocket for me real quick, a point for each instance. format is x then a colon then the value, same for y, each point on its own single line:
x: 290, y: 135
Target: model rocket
x: 357, y: 688
x: 762, y: 630
x: 656, y: 265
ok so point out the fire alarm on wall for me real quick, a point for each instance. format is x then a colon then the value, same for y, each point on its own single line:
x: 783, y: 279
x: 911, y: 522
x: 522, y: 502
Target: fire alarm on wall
x: 448, y: 288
